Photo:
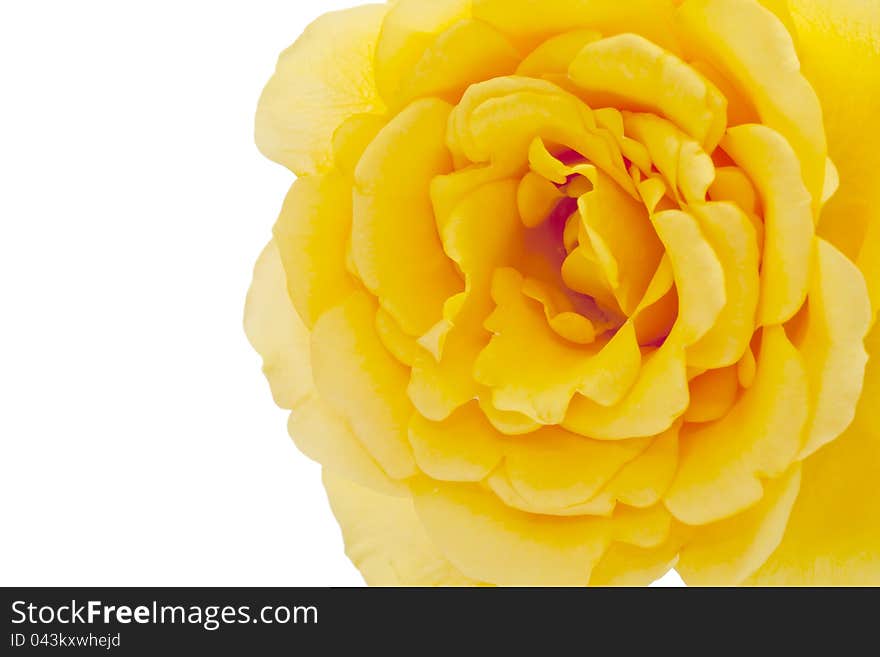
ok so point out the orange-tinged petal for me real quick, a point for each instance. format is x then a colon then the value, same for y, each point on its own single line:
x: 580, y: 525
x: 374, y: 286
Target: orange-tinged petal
x: 619, y: 226
x: 721, y: 463
x: 839, y: 315
x: 536, y: 198
x: 833, y: 535
x: 311, y: 233
x: 788, y: 236
x: 319, y: 82
x: 712, y: 395
x: 395, y: 244
x: 583, y: 272
x: 276, y: 331
x: 363, y: 382
x: 731, y: 184
x: 385, y: 539
x: 726, y: 552
x: 749, y: 45
x: 629, y: 71
x: 655, y: 315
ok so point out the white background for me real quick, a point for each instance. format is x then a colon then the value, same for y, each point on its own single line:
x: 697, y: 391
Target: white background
x: 140, y: 442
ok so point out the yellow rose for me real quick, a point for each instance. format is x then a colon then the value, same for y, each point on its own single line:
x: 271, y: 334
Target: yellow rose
x: 577, y: 291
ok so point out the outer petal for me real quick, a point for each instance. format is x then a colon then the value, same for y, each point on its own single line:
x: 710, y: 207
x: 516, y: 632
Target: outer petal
x: 311, y: 233
x: 277, y: 333
x: 385, y: 539
x: 728, y: 551
x: 839, y: 47
x: 837, y: 321
x: 833, y: 536
x: 320, y: 81
x: 324, y: 436
x: 363, y: 382
x: 486, y: 539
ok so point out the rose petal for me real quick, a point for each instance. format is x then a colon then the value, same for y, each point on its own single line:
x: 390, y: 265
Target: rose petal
x: 712, y: 395
x: 659, y: 396
x: 529, y: 22
x: 320, y: 81
x: 481, y: 233
x: 839, y: 45
x: 385, y: 539
x: 788, y: 228
x: 832, y: 345
x: 732, y: 237
x: 324, y: 436
x: 554, y: 469
x: 721, y: 463
x: 532, y: 371
x: 464, y: 447
x: 488, y: 540
x: 699, y: 277
x: 311, y: 234
x: 833, y: 535
x: 277, y: 333
x: 363, y: 382
x: 750, y: 46
x: 628, y: 565
x: 726, y: 552
x: 468, y: 51
x: 619, y: 226
x: 556, y: 53
x: 642, y: 482
x: 629, y: 71
x: 402, y: 262
x: 685, y: 166
x: 408, y: 30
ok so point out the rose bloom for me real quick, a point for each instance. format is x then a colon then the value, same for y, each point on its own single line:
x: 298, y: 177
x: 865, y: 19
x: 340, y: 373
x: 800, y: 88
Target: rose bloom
x: 575, y: 292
